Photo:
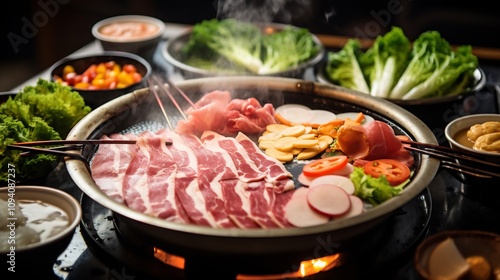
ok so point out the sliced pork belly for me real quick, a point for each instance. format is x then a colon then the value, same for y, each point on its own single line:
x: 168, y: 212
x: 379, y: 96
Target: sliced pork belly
x: 279, y: 178
x: 236, y: 204
x: 193, y: 191
x: 210, y: 169
x: 260, y: 205
x: 109, y: 164
x: 257, y: 207
x: 247, y: 171
x: 277, y: 207
x: 214, y: 161
x: 267, y: 207
x: 252, y: 199
x: 219, y: 182
x: 149, y: 182
x: 252, y: 164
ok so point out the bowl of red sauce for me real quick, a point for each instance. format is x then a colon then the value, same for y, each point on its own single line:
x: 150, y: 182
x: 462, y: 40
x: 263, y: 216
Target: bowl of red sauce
x: 130, y: 33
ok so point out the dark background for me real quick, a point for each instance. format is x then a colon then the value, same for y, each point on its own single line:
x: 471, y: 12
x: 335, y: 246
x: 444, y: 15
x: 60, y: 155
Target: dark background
x: 37, y: 33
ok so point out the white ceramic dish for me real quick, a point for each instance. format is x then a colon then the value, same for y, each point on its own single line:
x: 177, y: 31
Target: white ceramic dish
x: 466, y: 122
x: 143, y: 45
x: 60, y: 205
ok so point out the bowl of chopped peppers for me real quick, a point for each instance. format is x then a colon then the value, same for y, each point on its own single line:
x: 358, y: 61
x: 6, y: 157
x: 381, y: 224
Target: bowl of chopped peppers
x: 102, y: 77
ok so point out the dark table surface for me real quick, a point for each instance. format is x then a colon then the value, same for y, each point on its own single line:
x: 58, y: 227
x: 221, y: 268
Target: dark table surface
x: 442, y: 205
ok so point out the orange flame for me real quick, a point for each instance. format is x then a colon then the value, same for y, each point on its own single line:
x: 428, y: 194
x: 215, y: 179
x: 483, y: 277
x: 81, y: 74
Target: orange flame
x: 307, y: 267
x: 170, y: 259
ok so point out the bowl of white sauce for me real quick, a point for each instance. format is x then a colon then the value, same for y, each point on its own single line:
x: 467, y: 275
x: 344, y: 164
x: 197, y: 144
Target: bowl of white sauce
x: 37, y: 223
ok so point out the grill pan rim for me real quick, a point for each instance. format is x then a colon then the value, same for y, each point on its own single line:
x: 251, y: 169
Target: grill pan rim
x: 407, y: 121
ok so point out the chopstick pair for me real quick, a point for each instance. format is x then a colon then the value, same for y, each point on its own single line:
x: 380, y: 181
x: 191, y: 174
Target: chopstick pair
x: 64, y: 147
x: 157, y: 85
x: 456, y: 160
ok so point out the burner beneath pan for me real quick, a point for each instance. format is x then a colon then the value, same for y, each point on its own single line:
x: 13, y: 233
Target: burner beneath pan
x: 387, y: 245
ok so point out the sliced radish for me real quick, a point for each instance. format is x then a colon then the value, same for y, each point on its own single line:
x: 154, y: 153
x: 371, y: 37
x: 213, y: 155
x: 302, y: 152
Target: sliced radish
x: 334, y: 180
x: 299, y: 214
x: 280, y: 109
x: 305, y: 180
x: 353, y: 115
x: 321, y: 117
x: 357, y: 207
x: 295, y: 113
x: 346, y: 171
x: 300, y: 192
x: 328, y: 200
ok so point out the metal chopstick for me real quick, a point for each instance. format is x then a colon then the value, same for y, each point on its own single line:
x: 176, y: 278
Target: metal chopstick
x: 449, y: 158
x: 448, y: 153
x: 152, y: 88
x: 169, y: 94
x: 75, y: 142
x: 171, y: 84
x: 469, y: 170
x: 47, y: 151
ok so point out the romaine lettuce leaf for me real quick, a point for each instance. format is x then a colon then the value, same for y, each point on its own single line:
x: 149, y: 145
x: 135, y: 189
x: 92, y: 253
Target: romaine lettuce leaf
x: 374, y: 190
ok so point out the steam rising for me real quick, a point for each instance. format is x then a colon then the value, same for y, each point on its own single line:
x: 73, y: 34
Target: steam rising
x: 263, y: 10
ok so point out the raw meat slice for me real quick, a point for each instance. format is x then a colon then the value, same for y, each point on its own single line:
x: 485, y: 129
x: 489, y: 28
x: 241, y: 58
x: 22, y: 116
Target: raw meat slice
x: 212, y: 170
x: 149, y: 182
x: 109, y: 164
x: 275, y: 171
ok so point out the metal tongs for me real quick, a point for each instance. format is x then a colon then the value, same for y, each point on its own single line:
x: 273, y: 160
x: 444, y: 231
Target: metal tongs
x: 457, y: 160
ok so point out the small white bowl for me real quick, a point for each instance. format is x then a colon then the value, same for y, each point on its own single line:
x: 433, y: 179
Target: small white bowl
x: 130, y: 33
x: 56, y: 209
x: 484, y: 190
x: 466, y: 122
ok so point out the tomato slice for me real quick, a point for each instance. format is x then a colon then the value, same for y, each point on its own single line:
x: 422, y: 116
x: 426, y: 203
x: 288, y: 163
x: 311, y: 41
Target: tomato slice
x: 325, y: 166
x: 395, y: 171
